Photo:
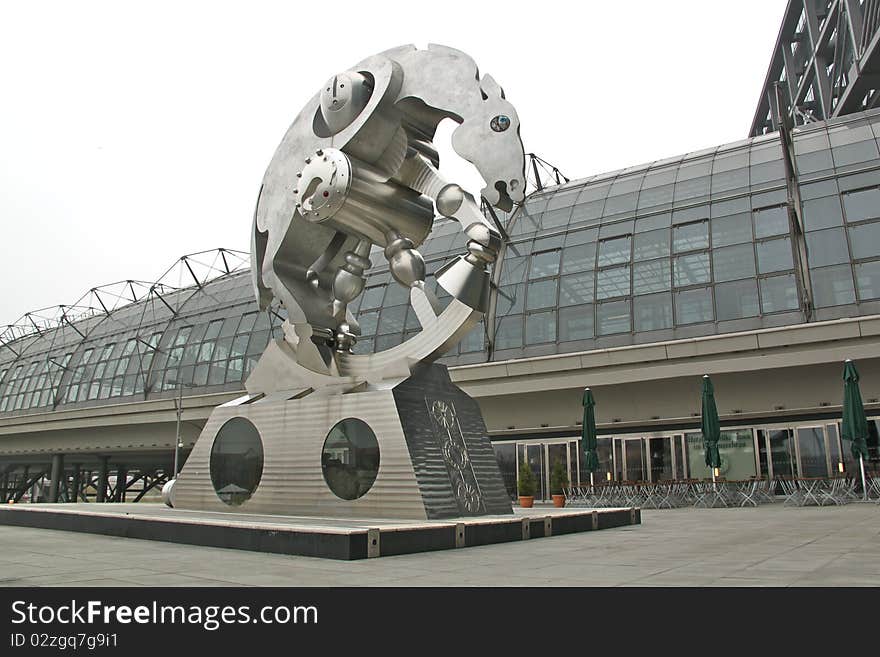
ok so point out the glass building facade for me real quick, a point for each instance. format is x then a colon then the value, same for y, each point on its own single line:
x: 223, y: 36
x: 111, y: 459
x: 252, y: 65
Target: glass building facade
x: 205, y: 339
x: 703, y: 244
x: 697, y: 245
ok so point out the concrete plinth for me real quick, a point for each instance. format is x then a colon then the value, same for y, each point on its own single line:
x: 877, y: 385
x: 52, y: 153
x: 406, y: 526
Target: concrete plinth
x: 332, y: 538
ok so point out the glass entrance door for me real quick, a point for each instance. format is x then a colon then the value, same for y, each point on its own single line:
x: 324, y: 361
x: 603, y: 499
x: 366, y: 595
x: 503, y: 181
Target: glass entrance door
x: 805, y: 451
x: 783, y: 457
x: 556, y: 453
x: 812, y: 452
x: 541, y: 458
x: 534, y: 456
x: 660, y: 458
x: 635, y: 467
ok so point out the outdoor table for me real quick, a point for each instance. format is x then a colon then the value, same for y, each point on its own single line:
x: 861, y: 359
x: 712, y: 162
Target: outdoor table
x: 873, y: 486
x: 746, y: 491
x: 801, y: 490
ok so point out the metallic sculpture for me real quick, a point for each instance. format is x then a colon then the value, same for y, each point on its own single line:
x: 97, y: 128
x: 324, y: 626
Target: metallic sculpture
x: 389, y: 432
x: 358, y: 168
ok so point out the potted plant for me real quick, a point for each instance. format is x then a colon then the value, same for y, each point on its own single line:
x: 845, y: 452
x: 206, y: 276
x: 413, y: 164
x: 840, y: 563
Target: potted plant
x: 558, y: 483
x: 527, y: 486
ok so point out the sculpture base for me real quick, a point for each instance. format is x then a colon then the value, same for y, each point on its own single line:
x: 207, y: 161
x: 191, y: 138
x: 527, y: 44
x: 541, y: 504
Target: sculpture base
x: 313, y: 537
x: 434, y: 456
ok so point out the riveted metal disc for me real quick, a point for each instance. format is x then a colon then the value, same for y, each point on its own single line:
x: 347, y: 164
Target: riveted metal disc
x: 323, y: 184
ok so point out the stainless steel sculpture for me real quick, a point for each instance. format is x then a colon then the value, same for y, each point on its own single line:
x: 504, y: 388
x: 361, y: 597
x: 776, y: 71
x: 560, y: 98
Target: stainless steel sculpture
x: 358, y: 168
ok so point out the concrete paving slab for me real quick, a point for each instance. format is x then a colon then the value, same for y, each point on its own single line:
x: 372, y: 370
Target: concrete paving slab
x: 767, y: 546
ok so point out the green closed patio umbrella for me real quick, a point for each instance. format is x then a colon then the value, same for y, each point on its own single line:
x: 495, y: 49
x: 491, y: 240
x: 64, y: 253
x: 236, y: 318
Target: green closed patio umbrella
x: 855, y: 425
x: 710, y: 426
x: 588, y: 434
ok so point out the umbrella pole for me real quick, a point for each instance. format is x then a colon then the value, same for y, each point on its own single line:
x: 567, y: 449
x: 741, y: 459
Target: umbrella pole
x: 591, y: 480
x: 864, y: 488
x: 714, y: 487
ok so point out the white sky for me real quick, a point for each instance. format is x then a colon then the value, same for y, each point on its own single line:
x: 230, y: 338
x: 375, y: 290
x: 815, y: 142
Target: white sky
x: 133, y: 133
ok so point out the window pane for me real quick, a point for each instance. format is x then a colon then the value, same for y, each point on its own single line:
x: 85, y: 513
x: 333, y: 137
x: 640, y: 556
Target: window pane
x: 734, y: 229
x: 652, y: 312
x: 652, y: 222
x: 578, y: 258
x: 691, y: 269
x: 774, y: 255
x: 575, y: 323
x: 737, y: 299
x: 827, y: 247
x: 653, y: 244
x: 653, y: 276
x: 217, y: 374
x: 613, y: 317
x: 576, y: 289
x: 509, y: 333
x: 542, y: 294
x: 213, y: 330
x: 182, y: 335
x: 473, y: 341
x: 580, y: 237
x: 513, y: 270
x: 727, y: 181
x: 864, y: 204
x: 733, y: 262
x: 693, y: 306
x: 865, y: 240
x: 822, y: 213
x: 779, y: 293
x: 368, y: 322
x: 690, y: 236
x: 510, y: 299
x: 544, y: 264
x: 541, y: 327
x: 395, y: 295
x: 612, y: 252
x: 832, y: 286
x: 373, y: 297
x: 391, y: 320
x: 852, y: 153
x: 556, y: 218
x: 384, y: 342
x: 771, y: 221
x: 612, y: 282
x: 362, y: 346
x: 868, y: 280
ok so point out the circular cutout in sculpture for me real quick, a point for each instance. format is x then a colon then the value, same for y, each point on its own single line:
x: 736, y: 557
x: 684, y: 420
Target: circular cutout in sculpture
x: 350, y: 459
x: 236, y: 461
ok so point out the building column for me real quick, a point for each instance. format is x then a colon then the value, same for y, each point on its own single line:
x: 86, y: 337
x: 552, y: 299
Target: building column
x: 4, y: 495
x: 74, y: 497
x: 55, y: 476
x: 24, y: 480
x: 121, y: 480
x: 101, y: 494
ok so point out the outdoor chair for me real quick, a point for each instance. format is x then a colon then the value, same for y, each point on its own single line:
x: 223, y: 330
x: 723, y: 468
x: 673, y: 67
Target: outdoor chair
x: 835, y: 491
x: 747, y: 492
x: 649, y: 493
x: 701, y: 494
x: 766, y: 490
x: 793, y: 495
x: 665, y: 495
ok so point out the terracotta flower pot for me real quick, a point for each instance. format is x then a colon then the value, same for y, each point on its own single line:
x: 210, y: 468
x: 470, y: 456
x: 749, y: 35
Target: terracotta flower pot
x: 526, y: 502
x: 558, y: 501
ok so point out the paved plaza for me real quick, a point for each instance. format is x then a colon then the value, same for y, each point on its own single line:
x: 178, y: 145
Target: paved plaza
x: 768, y: 546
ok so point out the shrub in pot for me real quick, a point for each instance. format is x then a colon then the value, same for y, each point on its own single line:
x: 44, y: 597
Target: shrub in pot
x: 527, y: 486
x: 558, y: 483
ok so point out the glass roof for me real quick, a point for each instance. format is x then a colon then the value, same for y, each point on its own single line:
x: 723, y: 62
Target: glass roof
x: 688, y: 246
